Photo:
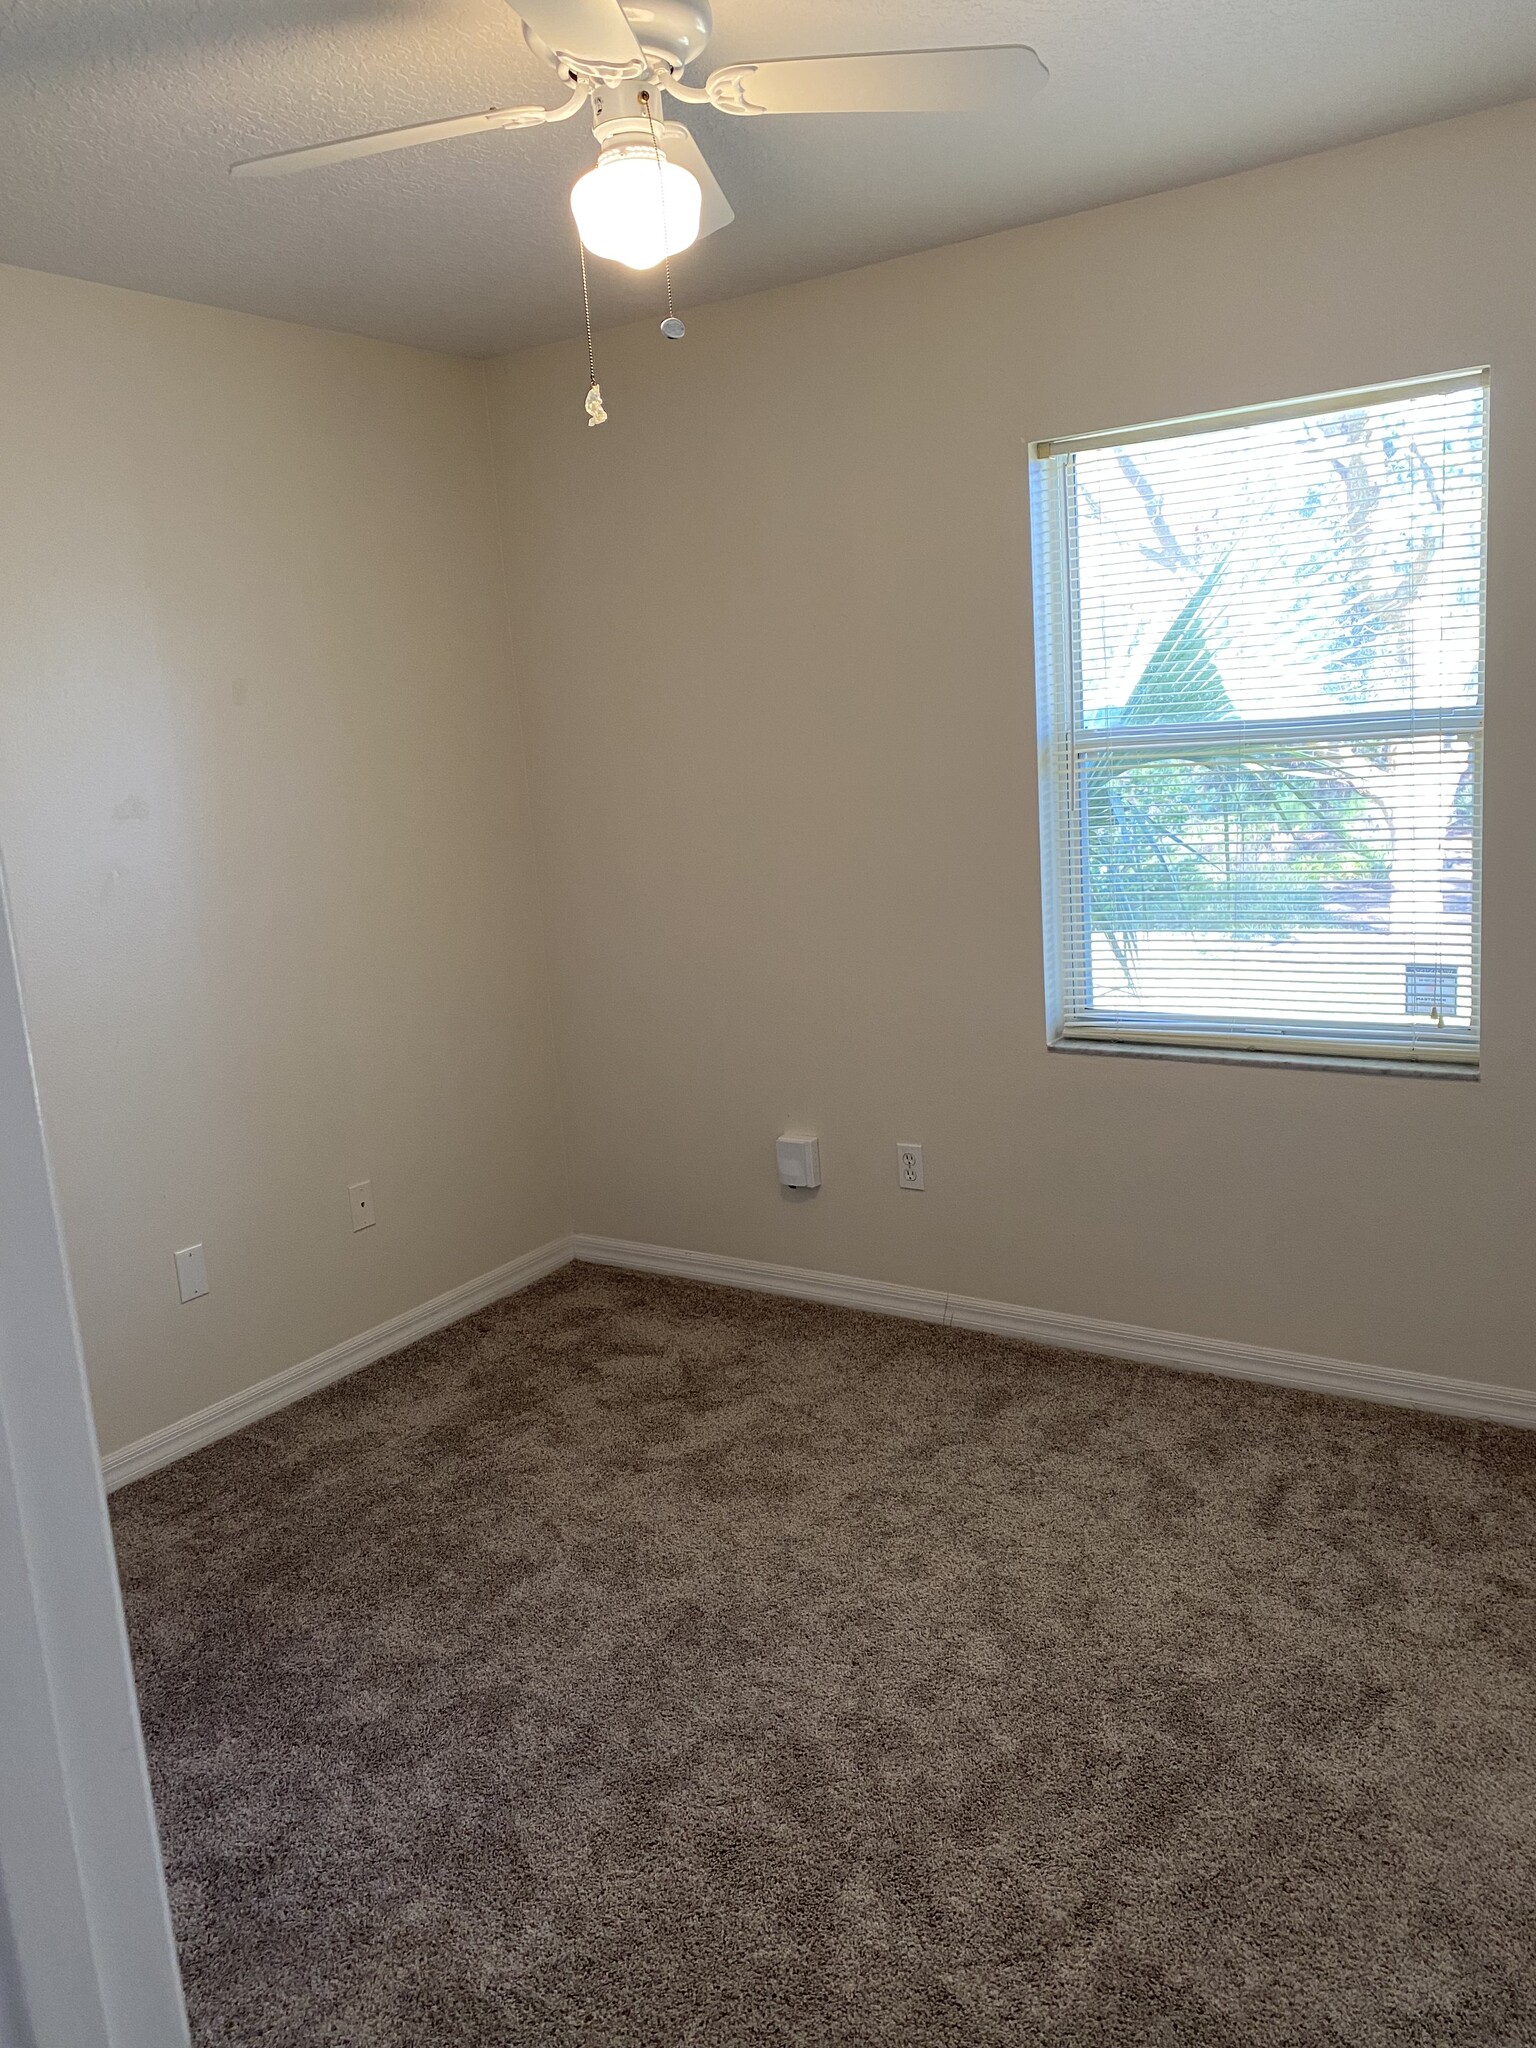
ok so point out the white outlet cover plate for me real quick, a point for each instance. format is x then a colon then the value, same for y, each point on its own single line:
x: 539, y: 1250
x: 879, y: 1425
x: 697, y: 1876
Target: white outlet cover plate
x: 909, y: 1166
x: 361, y: 1193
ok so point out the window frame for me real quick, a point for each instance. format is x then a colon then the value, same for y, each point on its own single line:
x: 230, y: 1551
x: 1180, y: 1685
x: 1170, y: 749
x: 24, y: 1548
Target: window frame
x: 1065, y: 742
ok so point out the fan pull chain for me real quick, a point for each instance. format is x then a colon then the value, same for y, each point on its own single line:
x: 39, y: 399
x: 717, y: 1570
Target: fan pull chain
x: 671, y: 327
x: 596, y: 411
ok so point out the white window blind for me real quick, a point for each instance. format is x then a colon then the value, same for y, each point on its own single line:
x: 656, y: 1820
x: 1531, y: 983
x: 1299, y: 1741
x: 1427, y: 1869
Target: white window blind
x: 1259, y: 666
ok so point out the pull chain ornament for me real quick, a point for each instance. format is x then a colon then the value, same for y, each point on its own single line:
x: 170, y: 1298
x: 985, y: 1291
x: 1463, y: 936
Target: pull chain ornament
x: 596, y: 411
x: 671, y: 327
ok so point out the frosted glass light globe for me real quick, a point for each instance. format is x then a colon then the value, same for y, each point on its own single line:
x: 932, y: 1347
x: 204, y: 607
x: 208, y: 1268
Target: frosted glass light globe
x: 619, y: 206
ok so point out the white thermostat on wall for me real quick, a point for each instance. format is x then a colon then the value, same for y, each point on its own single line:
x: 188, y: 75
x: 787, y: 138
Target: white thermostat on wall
x: 799, y: 1161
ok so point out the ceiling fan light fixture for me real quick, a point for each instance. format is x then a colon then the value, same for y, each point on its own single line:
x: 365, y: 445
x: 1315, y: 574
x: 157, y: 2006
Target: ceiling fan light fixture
x: 634, y: 206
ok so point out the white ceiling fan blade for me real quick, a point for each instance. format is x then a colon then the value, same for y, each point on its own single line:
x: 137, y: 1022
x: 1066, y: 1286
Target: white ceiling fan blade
x: 681, y: 149
x: 349, y: 146
x: 594, y: 30
x: 994, y: 80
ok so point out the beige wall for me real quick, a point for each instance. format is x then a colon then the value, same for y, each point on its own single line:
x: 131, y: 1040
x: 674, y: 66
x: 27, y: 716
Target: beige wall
x: 264, y: 808
x: 773, y: 627
x: 265, y: 805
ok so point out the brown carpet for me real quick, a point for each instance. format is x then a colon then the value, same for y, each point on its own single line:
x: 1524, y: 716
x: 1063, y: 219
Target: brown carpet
x: 641, y: 1663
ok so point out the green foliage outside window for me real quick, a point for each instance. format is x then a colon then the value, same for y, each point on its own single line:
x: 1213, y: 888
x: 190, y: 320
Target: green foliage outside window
x: 1254, y: 841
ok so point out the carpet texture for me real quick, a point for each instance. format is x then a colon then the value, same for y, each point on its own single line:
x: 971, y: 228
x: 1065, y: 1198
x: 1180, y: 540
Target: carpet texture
x: 643, y: 1663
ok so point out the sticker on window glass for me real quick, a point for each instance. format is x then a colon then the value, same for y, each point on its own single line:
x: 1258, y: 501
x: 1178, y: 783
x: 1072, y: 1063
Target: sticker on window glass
x: 1429, y: 991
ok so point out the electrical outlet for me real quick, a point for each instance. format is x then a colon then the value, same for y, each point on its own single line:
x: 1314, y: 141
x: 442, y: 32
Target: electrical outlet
x: 361, y: 1192
x: 909, y: 1166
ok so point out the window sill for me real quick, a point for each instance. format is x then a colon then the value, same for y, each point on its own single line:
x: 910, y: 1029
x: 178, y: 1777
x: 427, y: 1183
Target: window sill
x: 1231, y: 1056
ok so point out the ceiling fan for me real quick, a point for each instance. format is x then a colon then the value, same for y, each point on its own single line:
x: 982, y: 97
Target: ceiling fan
x: 651, y: 194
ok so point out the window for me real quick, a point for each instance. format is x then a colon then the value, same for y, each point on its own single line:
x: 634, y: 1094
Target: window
x: 1259, y: 660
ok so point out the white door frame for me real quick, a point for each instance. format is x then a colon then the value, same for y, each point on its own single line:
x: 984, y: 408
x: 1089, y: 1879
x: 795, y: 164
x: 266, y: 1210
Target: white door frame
x: 87, y: 1958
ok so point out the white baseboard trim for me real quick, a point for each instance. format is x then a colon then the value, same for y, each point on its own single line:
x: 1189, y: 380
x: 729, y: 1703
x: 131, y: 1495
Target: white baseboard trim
x: 1429, y: 1391
x: 884, y: 1297
x: 165, y: 1446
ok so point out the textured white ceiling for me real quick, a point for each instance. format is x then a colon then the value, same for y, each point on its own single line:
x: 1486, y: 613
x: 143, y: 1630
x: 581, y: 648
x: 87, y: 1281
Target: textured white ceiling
x: 118, y: 118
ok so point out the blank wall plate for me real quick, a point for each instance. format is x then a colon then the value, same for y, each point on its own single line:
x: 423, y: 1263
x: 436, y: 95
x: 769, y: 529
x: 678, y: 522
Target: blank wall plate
x: 909, y: 1166
x: 192, y: 1272
x: 361, y: 1192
